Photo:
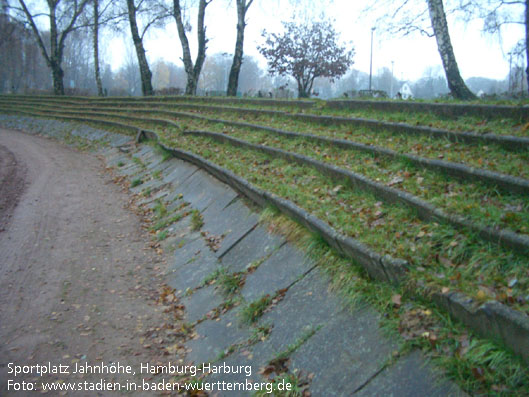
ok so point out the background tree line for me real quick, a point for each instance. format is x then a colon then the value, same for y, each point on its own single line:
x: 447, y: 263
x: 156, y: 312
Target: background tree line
x: 56, y: 44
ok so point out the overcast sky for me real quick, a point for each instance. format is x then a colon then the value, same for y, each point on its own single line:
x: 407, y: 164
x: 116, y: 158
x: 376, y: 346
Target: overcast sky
x: 478, y: 54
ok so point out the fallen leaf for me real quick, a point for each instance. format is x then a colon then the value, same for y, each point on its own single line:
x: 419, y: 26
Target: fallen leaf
x: 337, y: 189
x: 478, y: 373
x: 395, y: 181
x: 445, y: 261
x: 481, y: 295
x: 396, y: 300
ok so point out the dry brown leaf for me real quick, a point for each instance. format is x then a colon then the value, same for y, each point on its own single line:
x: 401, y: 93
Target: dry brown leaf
x: 396, y: 300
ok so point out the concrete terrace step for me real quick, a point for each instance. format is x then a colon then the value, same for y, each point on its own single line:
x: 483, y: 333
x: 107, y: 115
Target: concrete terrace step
x: 340, y: 351
x: 346, y: 352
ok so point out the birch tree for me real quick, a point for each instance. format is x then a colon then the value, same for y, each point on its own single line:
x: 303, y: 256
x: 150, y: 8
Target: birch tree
x: 427, y: 17
x: 62, y: 17
x: 456, y: 84
x: 233, y: 82
x: 95, y: 38
x: 101, y: 14
x: 153, y: 14
x: 191, y: 68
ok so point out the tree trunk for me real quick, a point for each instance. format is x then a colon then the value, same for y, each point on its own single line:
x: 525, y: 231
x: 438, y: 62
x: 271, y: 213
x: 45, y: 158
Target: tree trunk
x: 55, y: 56
x: 58, y: 76
x: 56, y: 48
x: 456, y: 84
x: 145, y: 71
x: 527, y: 41
x: 201, y: 37
x: 96, y: 49
x: 233, y: 82
x: 302, y: 89
x: 192, y: 70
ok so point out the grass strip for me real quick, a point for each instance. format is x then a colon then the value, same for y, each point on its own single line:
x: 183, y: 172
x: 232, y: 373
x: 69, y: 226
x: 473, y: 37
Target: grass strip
x: 424, y: 210
x: 481, y: 126
x: 513, y: 138
x: 507, y: 182
x: 474, y: 200
x: 488, y: 157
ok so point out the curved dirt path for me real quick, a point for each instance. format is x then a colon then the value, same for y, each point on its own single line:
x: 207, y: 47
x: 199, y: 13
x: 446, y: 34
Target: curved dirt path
x: 78, y: 281
x: 12, y: 183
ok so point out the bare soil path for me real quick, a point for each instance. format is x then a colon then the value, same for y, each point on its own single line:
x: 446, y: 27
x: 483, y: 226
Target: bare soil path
x: 12, y: 182
x: 78, y: 283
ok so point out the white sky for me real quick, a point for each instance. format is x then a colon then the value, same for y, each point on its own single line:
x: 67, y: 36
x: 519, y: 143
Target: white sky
x: 477, y: 54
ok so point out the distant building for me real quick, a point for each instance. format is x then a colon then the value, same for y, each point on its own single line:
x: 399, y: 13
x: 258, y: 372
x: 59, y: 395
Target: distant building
x: 406, y: 92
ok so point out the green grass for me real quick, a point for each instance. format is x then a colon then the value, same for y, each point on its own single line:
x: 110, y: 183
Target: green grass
x: 389, y: 229
x: 160, y: 210
x: 197, y: 221
x: 166, y: 155
x: 138, y: 161
x: 228, y: 283
x: 166, y: 222
x: 252, y: 311
x: 260, y: 333
x: 481, y: 156
x: 212, y: 277
x: 426, y: 146
x: 475, y: 200
x: 136, y: 182
x: 456, y: 350
x: 306, y: 334
x: 162, y: 235
x: 488, y: 157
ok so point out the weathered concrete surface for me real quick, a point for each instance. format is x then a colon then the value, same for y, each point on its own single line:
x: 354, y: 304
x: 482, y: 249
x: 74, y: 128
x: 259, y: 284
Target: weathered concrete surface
x: 409, y: 376
x: 232, y: 223
x: 306, y: 306
x: 346, y: 351
x: 200, y: 189
x: 283, y: 268
x: 193, y: 264
x: 215, y: 337
x: 258, y: 244
x: 201, y: 303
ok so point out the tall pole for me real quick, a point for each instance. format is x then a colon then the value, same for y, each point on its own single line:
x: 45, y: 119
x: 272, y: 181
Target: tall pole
x: 510, y: 71
x: 371, y: 60
x: 391, y: 84
x: 521, y: 80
